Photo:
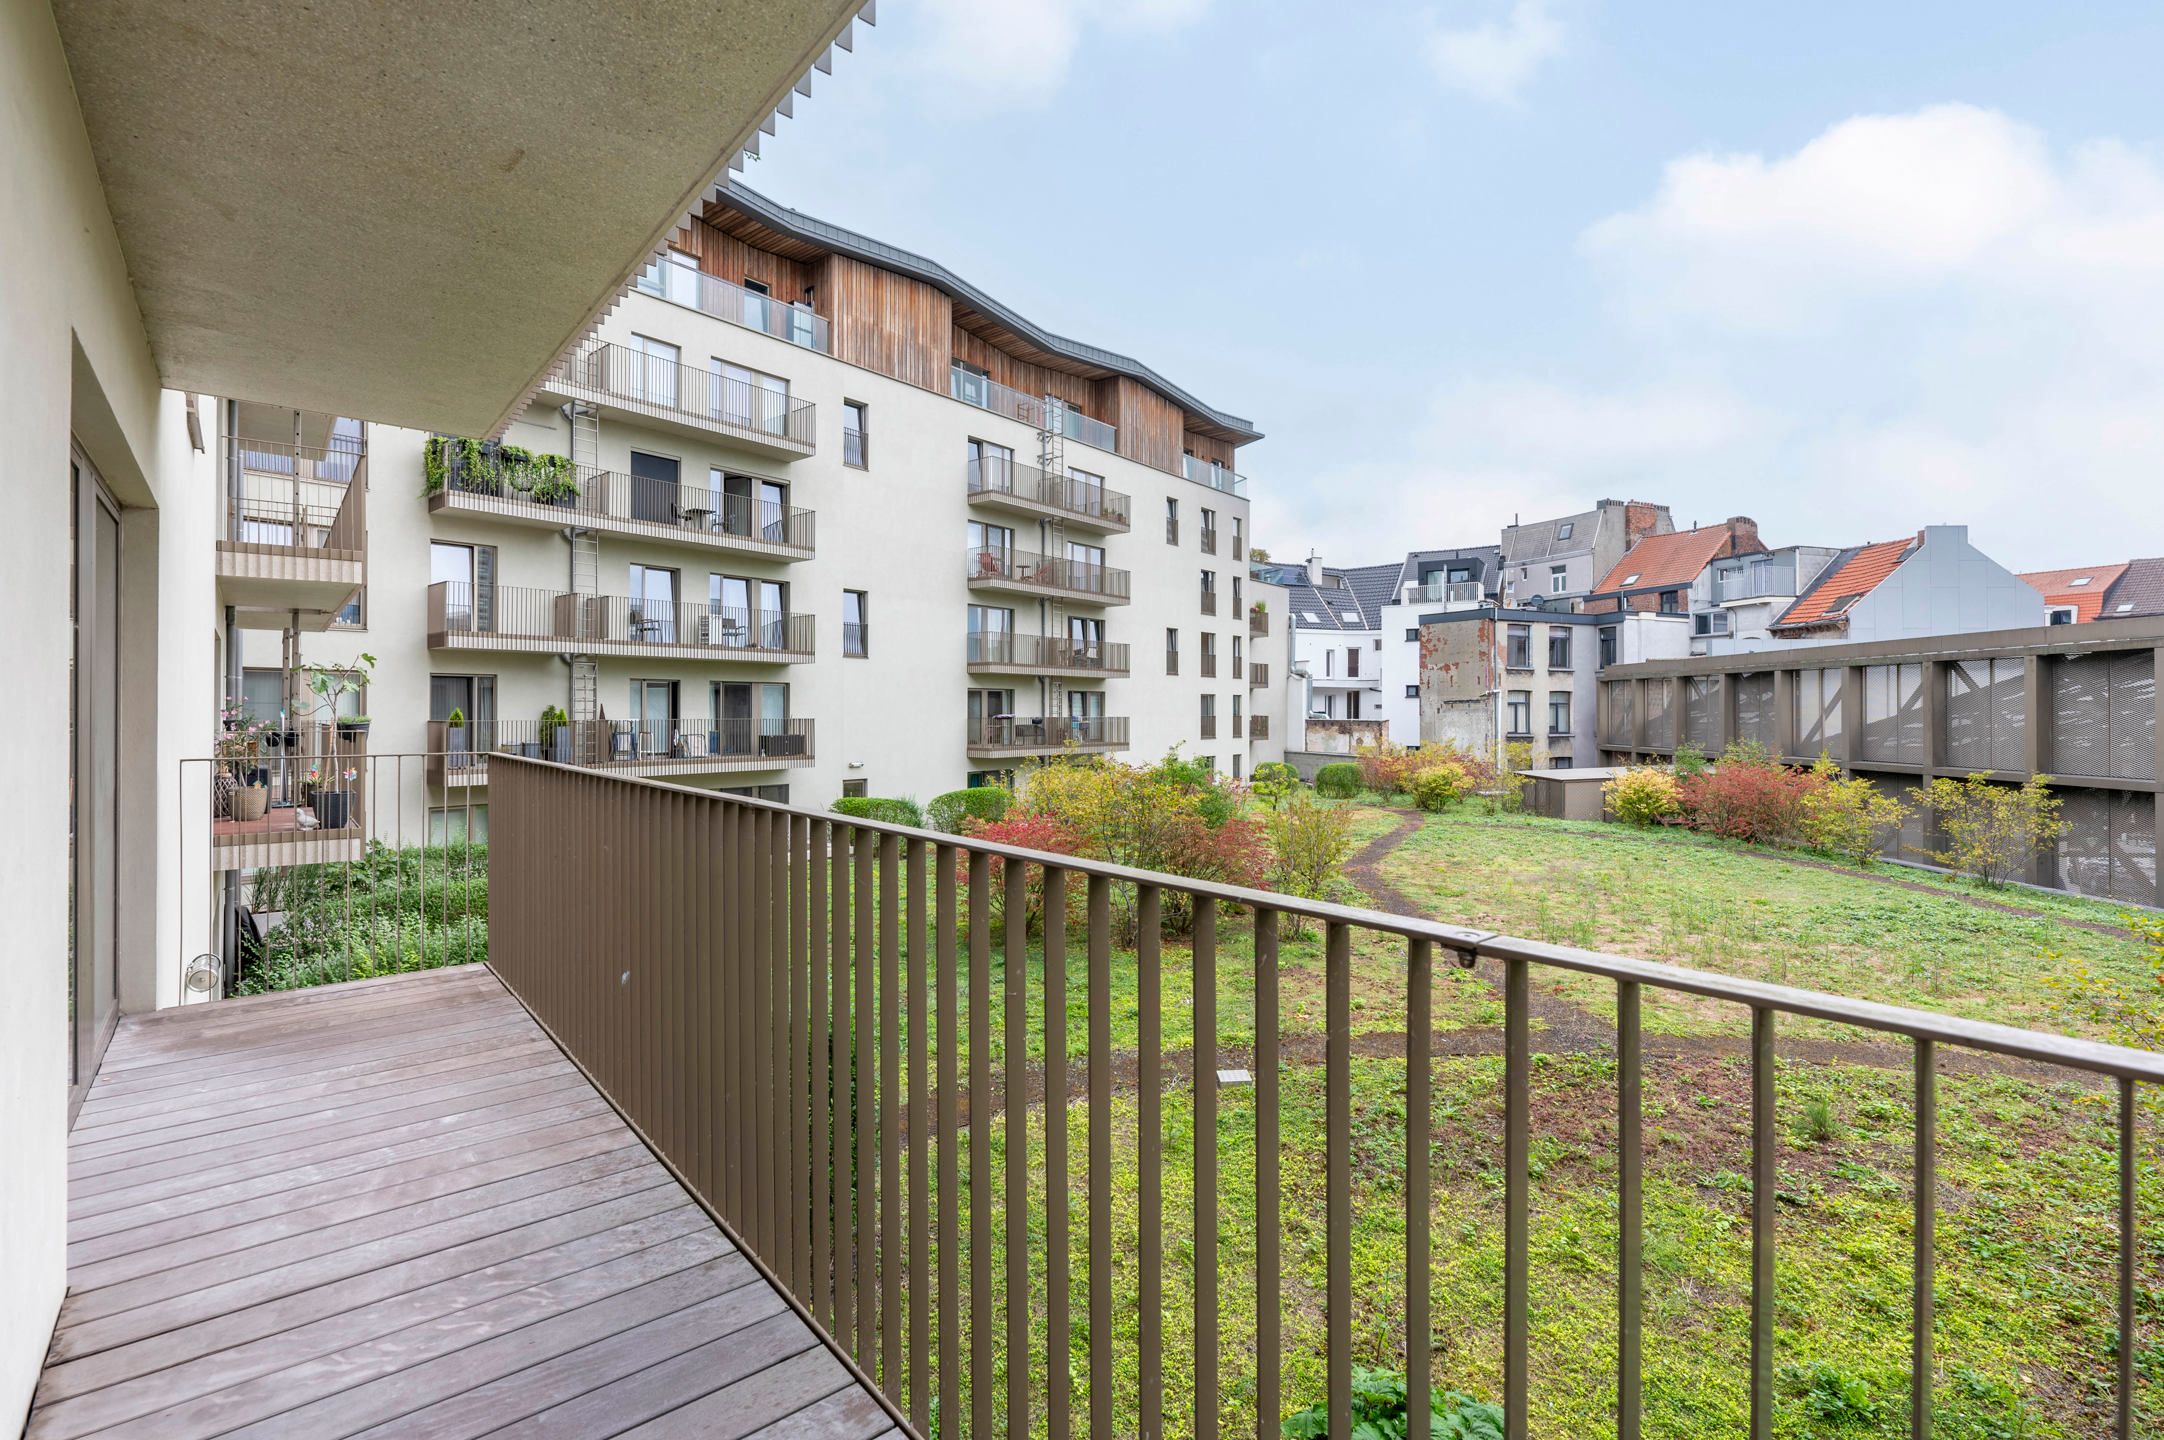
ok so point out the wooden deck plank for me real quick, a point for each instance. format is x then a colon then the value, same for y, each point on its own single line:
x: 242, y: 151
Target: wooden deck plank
x: 393, y: 1208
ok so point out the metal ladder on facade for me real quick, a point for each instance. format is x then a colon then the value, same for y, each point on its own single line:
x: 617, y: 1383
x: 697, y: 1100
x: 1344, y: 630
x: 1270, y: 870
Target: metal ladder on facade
x: 586, y: 585
x: 1052, y: 464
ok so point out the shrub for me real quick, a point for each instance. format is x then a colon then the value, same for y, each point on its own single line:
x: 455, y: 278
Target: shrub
x: 1743, y: 801
x: 1690, y: 760
x: 1643, y: 795
x: 1340, y: 780
x: 1848, y: 817
x: 1389, y: 769
x: 1992, y: 831
x: 887, y: 810
x: 1025, y: 831
x: 1378, y: 1411
x: 1504, y: 785
x: 1274, y: 782
x: 1309, y: 842
x: 1438, y: 787
x: 983, y: 802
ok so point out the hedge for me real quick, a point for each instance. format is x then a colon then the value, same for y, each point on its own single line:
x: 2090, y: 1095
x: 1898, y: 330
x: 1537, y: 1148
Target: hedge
x: 988, y: 803
x: 881, y: 808
x: 1340, y: 779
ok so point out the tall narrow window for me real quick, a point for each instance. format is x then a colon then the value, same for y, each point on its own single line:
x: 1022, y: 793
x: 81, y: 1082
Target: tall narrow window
x: 854, y: 435
x: 1172, y: 650
x: 856, y: 626
x: 1172, y: 521
x: 657, y: 366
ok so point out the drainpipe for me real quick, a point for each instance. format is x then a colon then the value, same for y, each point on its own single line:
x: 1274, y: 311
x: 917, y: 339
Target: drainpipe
x: 229, y: 902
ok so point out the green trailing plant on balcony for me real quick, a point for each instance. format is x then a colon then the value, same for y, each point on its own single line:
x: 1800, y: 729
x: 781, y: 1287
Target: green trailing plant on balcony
x: 553, y: 719
x: 485, y: 468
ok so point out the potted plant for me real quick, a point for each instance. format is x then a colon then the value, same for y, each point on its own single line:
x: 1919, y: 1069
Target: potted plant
x: 332, y: 683
x: 454, y: 738
x: 239, y: 747
x: 556, y: 735
x: 334, y: 804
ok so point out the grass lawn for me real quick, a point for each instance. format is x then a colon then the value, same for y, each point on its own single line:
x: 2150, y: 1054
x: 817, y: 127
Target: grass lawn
x: 2026, y: 1241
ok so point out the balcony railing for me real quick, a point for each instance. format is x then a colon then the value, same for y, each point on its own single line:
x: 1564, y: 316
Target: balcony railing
x: 1209, y: 727
x: 1089, y: 500
x: 802, y: 1013
x: 1048, y: 652
x: 1750, y: 583
x: 1258, y: 676
x: 685, y: 744
x: 1444, y: 592
x: 1172, y: 529
x: 1258, y: 621
x: 1212, y: 474
x: 1258, y: 727
x: 639, y: 504
x: 1051, y: 732
x: 458, y: 613
x: 988, y: 394
x: 1209, y: 541
x: 664, y: 389
x: 1049, y: 572
x: 1209, y: 602
x: 297, y: 498
x: 723, y: 299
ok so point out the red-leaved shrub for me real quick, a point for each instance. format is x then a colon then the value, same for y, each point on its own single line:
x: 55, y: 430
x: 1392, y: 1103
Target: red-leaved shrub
x: 1743, y: 801
x: 1025, y: 830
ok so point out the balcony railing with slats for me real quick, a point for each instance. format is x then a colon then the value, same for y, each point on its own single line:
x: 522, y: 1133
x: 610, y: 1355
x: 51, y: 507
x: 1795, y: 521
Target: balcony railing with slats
x: 1087, y: 500
x: 518, y: 616
x: 664, y: 389
x: 1048, y: 652
x: 1048, y: 572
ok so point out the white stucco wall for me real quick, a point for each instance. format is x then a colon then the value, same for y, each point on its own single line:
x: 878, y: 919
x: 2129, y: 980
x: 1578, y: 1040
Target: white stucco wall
x: 77, y: 361
x: 1948, y: 587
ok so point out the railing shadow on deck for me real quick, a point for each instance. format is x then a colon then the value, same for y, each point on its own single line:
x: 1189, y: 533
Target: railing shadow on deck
x: 793, y: 1006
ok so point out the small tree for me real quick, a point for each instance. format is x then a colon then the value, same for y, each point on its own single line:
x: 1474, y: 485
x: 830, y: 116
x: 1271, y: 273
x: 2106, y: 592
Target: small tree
x: 1847, y: 816
x: 1439, y: 786
x: 1309, y: 842
x: 1509, y: 792
x: 1690, y: 760
x: 1274, y: 782
x: 1643, y: 796
x: 1992, y: 831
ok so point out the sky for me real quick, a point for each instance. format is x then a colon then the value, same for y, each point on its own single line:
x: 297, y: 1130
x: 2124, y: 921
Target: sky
x: 1847, y: 269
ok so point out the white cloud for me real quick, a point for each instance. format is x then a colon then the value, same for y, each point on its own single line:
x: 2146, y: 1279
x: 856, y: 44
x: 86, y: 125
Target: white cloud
x: 1495, y: 59
x: 995, y: 54
x: 1936, y: 316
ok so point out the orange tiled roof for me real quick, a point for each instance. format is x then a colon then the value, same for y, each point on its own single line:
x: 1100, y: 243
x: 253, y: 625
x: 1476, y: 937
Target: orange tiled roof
x: 2058, y: 587
x: 1672, y: 559
x: 1855, y: 577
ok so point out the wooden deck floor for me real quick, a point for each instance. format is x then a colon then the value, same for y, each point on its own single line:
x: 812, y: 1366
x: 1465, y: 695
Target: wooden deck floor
x: 394, y: 1208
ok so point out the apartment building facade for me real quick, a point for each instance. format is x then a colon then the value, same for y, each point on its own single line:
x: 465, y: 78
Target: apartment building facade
x: 1558, y: 562
x: 810, y: 516
x: 1492, y: 676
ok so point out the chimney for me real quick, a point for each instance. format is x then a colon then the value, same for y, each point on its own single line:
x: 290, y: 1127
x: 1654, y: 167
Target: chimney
x: 1744, y: 540
x: 1314, y: 569
x: 1642, y: 518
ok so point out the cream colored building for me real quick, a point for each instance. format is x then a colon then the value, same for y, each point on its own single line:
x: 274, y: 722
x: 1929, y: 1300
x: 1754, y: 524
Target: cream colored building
x: 841, y: 523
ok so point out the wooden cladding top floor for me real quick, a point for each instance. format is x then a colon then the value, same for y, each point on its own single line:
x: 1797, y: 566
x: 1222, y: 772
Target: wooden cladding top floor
x: 911, y: 330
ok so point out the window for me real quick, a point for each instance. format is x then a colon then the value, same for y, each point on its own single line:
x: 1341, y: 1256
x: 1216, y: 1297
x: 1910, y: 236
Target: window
x: 1085, y: 492
x: 1085, y: 641
x: 1632, y: 578
x: 651, y: 718
x: 1709, y: 622
x: 652, y: 612
x: 1378, y: 642
x: 1209, y: 532
x: 1352, y: 705
x: 1412, y: 634
x: 655, y: 377
x: 1412, y: 692
x: 1209, y: 717
x: 1352, y: 661
x: 675, y: 276
x: 746, y: 613
x: 1239, y: 552
x: 1518, y: 647
x: 1558, y: 579
x: 353, y: 615
x: 474, y: 698
x: 1329, y: 664
x: 1237, y: 759
x: 1558, y: 647
x: 263, y: 696
x: 453, y: 824
x: 654, y: 487
x: 1236, y: 656
x: 1519, y: 719
x: 2063, y: 615
x: 991, y: 467
x: 467, y: 574
x: 1671, y: 602
x: 1236, y: 592
x: 1209, y: 655
x: 1607, y: 645
x: 779, y: 794
x: 1172, y: 651
x: 1209, y: 592
x: 856, y: 787
x: 992, y: 545
x: 1172, y: 521
x: 747, y: 398
x: 853, y: 434
x: 2077, y: 582
x: 1559, y: 762
x: 971, y: 384
x: 751, y: 719
x: 991, y: 634
x: 1559, y: 712
x: 1562, y: 531
x: 749, y: 505
x: 856, y: 628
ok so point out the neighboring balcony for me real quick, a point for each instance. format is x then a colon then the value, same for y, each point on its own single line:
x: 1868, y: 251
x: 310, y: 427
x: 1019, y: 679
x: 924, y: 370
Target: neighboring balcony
x: 285, y: 798
x: 294, y: 535
x: 1043, y: 655
x: 725, y: 300
x: 1024, y: 573
x: 1445, y: 592
x: 632, y: 505
x: 624, y: 383
x: 1034, y: 411
x: 999, y: 736
x: 688, y: 745
x: 552, y: 622
x: 1258, y: 621
x: 1258, y: 676
x: 1212, y: 474
x: 1026, y: 490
